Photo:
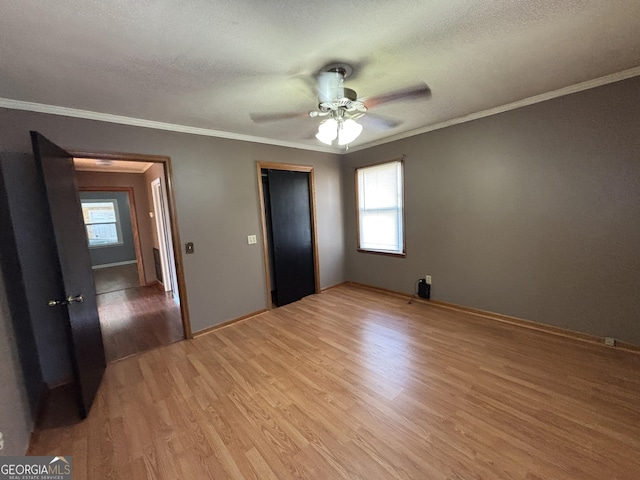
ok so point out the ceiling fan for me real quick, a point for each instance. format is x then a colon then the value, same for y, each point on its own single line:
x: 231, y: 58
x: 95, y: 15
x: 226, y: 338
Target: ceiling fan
x: 343, y: 107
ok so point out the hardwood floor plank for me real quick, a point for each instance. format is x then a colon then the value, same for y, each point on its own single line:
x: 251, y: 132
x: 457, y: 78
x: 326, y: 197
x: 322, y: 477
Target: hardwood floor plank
x: 111, y: 279
x: 137, y: 319
x: 355, y: 384
x: 261, y: 467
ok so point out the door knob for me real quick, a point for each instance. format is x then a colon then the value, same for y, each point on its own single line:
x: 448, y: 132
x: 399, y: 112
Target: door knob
x: 70, y: 299
x: 76, y: 299
x: 55, y: 303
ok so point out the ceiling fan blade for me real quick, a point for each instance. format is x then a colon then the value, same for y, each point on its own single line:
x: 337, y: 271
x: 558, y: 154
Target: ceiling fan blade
x: 421, y: 90
x: 378, y: 122
x: 274, y: 117
x: 329, y: 86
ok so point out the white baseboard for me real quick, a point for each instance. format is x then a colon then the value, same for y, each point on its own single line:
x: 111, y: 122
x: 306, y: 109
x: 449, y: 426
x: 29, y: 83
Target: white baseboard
x: 117, y: 264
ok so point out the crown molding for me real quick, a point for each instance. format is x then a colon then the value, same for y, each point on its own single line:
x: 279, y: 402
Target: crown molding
x: 172, y: 127
x: 140, y: 122
x: 579, y: 87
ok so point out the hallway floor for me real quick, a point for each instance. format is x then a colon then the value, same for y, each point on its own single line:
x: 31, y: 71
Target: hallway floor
x: 134, y: 319
x: 112, y: 279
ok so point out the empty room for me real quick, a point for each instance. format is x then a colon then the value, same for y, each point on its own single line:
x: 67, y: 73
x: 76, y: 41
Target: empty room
x: 384, y: 240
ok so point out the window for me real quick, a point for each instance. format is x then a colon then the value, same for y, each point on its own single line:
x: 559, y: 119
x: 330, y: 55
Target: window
x: 379, y: 192
x: 102, y: 222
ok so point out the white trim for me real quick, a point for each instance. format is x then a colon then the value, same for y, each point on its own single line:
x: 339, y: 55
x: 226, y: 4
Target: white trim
x: 165, y: 240
x: 579, y: 87
x: 156, y: 193
x: 139, y: 122
x: 116, y: 264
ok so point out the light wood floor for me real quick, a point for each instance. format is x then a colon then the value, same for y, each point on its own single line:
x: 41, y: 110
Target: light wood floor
x: 357, y: 384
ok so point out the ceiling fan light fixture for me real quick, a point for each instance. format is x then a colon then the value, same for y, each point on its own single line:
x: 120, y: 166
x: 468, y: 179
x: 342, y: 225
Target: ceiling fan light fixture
x: 349, y: 131
x: 327, y: 131
x: 346, y: 131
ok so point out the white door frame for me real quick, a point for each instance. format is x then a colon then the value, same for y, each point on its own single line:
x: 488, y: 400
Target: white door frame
x: 165, y: 241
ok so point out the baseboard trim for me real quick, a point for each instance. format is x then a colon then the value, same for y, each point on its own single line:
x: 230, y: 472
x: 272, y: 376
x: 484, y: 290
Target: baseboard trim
x: 251, y: 315
x: 228, y: 323
x: 116, y: 264
x: 520, y: 322
x: 60, y: 383
x: 330, y: 287
x: 155, y: 283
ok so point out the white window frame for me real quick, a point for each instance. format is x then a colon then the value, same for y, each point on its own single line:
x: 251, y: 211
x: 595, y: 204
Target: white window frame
x: 85, y: 202
x: 362, y: 212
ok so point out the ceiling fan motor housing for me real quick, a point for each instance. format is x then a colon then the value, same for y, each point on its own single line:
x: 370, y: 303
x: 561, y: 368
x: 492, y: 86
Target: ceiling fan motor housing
x: 350, y: 94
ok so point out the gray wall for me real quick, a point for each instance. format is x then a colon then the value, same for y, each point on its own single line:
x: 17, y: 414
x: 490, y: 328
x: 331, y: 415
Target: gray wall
x: 533, y: 213
x: 217, y: 201
x: 114, y: 253
x: 15, y: 415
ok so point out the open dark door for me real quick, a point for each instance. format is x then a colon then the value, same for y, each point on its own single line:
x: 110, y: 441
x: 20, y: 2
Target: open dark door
x: 292, y: 235
x: 77, y: 295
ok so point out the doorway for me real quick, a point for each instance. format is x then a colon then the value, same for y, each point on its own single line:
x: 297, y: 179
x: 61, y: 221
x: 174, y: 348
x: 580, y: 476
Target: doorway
x: 149, y: 314
x: 49, y: 267
x: 289, y: 231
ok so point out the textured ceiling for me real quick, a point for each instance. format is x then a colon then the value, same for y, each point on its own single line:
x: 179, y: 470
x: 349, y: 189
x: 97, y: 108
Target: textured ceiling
x: 205, y: 65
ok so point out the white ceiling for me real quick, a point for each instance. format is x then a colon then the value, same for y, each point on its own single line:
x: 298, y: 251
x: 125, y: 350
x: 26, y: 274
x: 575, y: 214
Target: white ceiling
x: 205, y: 65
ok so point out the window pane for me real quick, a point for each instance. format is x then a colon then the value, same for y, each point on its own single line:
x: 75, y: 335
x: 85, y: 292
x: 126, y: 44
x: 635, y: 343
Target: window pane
x: 102, y: 234
x: 98, y: 212
x: 380, y: 207
x: 380, y: 188
x: 379, y: 230
x: 102, y: 222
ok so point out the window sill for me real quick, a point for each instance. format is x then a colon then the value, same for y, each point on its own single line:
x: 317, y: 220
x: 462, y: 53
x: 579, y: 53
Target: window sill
x: 386, y: 254
x: 106, y: 245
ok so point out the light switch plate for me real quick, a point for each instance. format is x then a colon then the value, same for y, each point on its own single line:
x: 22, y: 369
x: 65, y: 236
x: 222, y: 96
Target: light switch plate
x: 251, y: 239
